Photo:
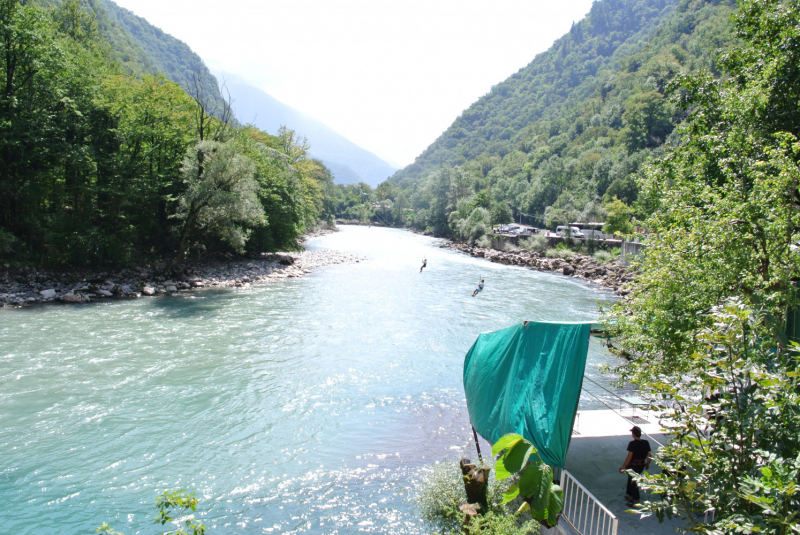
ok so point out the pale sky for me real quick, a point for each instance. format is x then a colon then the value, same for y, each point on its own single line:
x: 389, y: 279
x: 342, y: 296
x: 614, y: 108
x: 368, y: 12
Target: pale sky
x: 390, y: 75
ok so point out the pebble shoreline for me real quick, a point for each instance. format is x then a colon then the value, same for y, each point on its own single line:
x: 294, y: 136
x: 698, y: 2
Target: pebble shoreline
x: 611, y: 275
x: 29, y: 286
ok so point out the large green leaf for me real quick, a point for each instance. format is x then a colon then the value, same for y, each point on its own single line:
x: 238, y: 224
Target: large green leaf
x: 534, y: 486
x: 555, y: 505
x: 513, y: 459
x: 506, y: 441
x: 511, y: 493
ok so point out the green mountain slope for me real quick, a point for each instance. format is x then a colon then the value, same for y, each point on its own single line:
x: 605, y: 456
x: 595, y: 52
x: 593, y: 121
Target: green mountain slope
x: 142, y: 49
x: 564, y: 74
x: 575, y: 124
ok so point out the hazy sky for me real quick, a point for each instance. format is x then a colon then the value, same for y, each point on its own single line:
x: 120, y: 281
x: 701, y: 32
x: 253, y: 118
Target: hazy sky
x: 390, y: 75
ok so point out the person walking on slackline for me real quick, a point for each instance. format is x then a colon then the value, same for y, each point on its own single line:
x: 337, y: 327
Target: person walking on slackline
x: 424, y: 264
x: 638, y: 460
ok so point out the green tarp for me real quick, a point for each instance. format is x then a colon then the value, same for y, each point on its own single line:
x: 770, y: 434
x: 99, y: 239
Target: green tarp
x: 527, y: 379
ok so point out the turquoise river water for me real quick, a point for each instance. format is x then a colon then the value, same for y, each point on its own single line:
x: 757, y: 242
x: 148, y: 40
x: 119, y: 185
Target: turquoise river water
x: 304, y: 406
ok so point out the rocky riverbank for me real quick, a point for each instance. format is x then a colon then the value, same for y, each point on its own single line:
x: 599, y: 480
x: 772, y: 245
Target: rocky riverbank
x: 612, y: 275
x: 29, y: 286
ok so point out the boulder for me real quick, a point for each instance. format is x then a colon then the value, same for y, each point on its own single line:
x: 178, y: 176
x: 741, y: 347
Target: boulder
x: 184, y: 285
x: 568, y: 270
x: 72, y: 298
x: 198, y: 284
x: 48, y: 294
x: 104, y: 293
x: 148, y: 290
x: 171, y: 288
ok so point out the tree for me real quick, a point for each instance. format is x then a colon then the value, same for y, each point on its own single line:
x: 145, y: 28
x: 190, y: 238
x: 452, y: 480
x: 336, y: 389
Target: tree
x: 220, y: 196
x: 703, y: 325
x: 618, y: 218
x: 647, y: 121
x: 293, y: 145
x: 501, y: 214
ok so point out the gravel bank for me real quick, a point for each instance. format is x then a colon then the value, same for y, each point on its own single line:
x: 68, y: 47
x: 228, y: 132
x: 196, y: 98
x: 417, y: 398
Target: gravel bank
x: 612, y: 275
x: 29, y: 286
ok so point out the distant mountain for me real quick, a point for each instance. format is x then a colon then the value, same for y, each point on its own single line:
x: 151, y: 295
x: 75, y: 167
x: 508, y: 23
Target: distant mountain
x: 348, y: 162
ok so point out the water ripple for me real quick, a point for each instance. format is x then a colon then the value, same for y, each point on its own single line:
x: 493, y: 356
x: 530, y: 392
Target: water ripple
x: 307, y: 406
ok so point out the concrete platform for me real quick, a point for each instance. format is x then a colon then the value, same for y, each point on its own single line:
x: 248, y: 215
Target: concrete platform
x: 595, y: 456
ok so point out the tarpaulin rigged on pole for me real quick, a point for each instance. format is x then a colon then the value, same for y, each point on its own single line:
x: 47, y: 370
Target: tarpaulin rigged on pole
x: 527, y: 379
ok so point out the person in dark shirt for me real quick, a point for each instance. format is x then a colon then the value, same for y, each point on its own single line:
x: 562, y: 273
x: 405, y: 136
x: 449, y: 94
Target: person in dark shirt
x: 638, y: 460
x: 424, y: 264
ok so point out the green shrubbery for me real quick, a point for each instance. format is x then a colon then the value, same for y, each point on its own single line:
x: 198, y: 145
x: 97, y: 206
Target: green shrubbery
x: 441, y: 493
x: 603, y: 256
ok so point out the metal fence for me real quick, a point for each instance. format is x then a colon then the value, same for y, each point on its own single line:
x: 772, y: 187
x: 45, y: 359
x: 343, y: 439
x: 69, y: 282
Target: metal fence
x: 583, y: 511
x: 630, y: 248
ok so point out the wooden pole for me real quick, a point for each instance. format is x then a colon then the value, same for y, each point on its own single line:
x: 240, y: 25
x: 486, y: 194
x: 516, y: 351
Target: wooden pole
x: 477, y: 445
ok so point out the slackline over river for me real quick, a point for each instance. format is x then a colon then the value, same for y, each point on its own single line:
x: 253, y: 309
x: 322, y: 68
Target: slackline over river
x: 307, y: 405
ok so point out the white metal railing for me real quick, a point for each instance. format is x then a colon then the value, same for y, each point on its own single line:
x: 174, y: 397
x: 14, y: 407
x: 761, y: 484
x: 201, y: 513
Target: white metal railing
x: 583, y: 511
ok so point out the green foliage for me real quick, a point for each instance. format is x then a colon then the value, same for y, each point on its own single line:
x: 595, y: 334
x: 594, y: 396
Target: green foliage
x: 603, y: 256
x: 501, y: 524
x: 173, y: 506
x: 93, y: 159
x: 618, y: 220
x: 703, y: 326
x: 537, y: 243
x: 562, y: 253
x: 105, y: 529
x: 735, y: 451
x: 220, y: 197
x: 441, y: 493
x: 541, y: 497
x: 579, y: 121
x: 501, y: 214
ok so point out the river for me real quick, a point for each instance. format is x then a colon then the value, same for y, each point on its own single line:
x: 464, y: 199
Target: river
x: 304, y: 406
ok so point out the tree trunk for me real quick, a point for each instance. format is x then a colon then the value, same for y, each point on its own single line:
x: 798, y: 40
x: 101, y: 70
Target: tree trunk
x: 187, y: 228
x: 476, y: 484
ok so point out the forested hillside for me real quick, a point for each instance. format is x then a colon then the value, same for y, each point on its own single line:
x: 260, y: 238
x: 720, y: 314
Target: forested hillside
x: 142, y: 49
x: 101, y: 166
x: 561, y: 139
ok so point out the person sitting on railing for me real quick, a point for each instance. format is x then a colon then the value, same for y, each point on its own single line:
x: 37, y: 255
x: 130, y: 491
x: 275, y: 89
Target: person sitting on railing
x: 638, y: 460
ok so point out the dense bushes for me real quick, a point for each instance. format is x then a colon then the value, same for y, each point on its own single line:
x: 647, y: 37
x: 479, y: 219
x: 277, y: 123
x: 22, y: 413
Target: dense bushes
x: 98, y: 166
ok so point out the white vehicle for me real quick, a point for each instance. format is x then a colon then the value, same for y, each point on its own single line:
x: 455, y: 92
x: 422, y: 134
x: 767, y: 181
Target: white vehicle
x: 569, y: 232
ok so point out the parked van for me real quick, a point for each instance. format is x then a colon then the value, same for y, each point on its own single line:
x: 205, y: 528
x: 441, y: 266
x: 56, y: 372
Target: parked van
x: 569, y: 232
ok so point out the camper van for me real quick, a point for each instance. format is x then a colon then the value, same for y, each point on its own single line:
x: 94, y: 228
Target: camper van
x: 569, y: 232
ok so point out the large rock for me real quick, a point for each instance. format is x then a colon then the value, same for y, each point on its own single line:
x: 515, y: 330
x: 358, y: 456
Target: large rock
x: 171, y: 288
x: 103, y: 293
x: 148, y: 290
x: 125, y: 289
x: 72, y: 298
x: 48, y: 294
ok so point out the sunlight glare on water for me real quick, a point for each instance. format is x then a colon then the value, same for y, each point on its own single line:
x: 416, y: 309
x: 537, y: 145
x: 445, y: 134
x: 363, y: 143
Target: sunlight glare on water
x: 305, y: 406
